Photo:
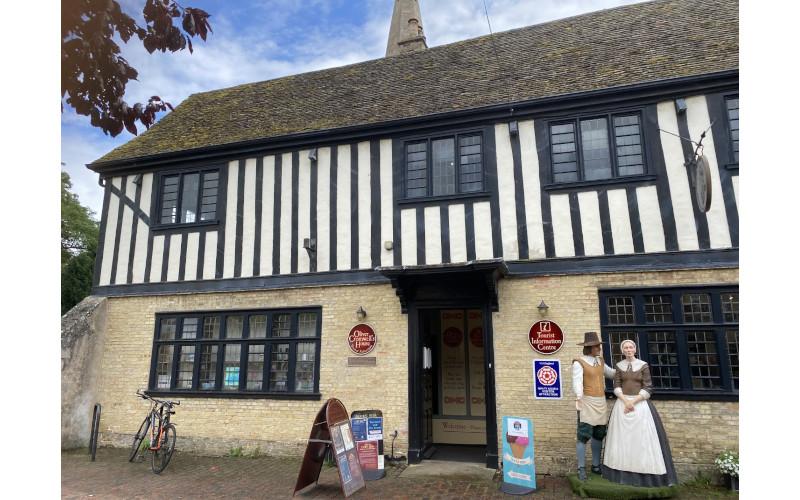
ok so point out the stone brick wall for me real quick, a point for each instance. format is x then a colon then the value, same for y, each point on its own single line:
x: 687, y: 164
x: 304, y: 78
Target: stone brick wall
x: 216, y: 425
x: 697, y: 430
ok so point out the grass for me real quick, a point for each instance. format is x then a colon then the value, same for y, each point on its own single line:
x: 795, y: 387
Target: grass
x: 699, y: 487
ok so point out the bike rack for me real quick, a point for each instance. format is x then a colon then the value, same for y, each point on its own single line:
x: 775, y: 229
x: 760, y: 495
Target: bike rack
x: 95, y: 430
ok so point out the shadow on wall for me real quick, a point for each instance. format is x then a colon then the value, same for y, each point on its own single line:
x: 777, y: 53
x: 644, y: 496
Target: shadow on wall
x: 82, y: 336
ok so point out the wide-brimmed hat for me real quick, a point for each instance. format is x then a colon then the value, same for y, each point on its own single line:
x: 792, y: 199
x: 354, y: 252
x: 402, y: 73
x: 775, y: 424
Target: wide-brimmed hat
x: 590, y: 339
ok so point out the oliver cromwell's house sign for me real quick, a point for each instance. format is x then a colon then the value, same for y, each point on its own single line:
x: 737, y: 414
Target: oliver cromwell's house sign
x: 362, y: 339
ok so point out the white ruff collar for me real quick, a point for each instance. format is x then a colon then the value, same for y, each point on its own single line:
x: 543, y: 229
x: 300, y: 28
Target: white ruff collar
x: 636, y: 365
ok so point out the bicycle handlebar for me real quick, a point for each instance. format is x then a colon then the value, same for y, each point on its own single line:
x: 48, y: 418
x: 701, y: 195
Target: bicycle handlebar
x: 144, y: 395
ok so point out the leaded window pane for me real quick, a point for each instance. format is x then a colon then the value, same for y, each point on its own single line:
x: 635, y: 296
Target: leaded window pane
x: 613, y: 341
x: 168, y: 328
x: 169, y: 199
x: 164, y: 367
x: 281, y: 325
x: 703, y: 360
x: 255, y: 367
x: 663, y: 352
x: 733, y: 123
x: 304, y: 367
x: 563, y: 150
x: 658, y: 308
x: 191, y: 189
x: 279, y: 368
x: 620, y: 310
x: 185, y: 367
x: 443, y: 166
x: 628, y: 142
x: 470, y: 163
x: 696, y: 307
x: 231, y: 367
x: 730, y: 307
x: 211, y: 327
x: 208, y: 367
x: 308, y: 325
x: 189, y: 328
x: 208, y: 200
x: 594, y: 149
x: 732, y: 339
x: 416, y: 169
x: 258, y: 326
x: 233, y: 327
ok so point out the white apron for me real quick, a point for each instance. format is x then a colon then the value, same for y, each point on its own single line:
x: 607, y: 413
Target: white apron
x: 632, y: 441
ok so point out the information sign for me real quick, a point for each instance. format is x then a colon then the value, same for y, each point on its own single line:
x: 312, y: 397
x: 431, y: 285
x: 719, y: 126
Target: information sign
x: 361, y: 339
x: 518, y: 466
x: 547, y: 378
x: 546, y: 337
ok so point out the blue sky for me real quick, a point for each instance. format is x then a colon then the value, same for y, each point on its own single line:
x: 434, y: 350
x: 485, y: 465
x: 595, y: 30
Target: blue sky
x: 260, y: 40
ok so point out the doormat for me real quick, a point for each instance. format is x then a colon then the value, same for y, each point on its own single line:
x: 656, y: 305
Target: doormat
x: 597, y: 487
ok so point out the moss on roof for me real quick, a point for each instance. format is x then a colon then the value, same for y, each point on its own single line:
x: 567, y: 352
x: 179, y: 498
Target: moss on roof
x: 621, y: 46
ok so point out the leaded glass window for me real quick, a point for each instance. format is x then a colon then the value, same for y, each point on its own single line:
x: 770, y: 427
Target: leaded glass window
x: 188, y: 197
x: 443, y: 166
x: 620, y: 310
x: 732, y: 105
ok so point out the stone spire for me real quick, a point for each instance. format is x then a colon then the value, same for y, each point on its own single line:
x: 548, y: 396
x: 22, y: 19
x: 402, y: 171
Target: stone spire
x: 405, y: 33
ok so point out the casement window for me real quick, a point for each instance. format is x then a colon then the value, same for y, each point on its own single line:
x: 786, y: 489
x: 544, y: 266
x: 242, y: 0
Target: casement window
x: 444, y: 165
x: 688, y: 336
x: 188, y: 197
x: 732, y: 106
x: 597, y: 147
x: 257, y: 352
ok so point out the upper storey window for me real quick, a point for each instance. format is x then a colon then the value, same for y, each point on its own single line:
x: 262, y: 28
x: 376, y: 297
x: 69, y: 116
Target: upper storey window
x: 188, y: 197
x: 732, y: 104
x: 597, y: 148
x: 444, y: 165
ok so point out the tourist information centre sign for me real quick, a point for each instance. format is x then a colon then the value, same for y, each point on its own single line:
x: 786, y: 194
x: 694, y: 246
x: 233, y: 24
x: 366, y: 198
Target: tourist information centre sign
x: 546, y: 337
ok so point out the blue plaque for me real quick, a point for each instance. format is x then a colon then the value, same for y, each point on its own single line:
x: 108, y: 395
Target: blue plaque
x: 359, y: 426
x: 547, y: 378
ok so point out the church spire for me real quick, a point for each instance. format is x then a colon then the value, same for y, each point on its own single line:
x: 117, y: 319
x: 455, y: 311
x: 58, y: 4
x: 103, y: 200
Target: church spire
x: 405, y: 33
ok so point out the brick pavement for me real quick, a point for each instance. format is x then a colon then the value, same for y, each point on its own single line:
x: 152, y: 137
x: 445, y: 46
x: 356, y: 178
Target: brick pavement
x: 189, y: 476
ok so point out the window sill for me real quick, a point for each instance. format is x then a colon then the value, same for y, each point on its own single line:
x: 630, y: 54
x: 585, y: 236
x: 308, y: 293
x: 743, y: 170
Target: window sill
x: 564, y: 186
x: 665, y: 395
x: 310, y: 396
x: 179, y: 227
x: 447, y: 197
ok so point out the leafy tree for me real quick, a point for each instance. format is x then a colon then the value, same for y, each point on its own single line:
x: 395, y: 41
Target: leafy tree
x: 94, y: 75
x: 79, y: 235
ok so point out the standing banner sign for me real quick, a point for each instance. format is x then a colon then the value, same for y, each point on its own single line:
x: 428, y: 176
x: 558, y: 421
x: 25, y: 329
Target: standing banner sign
x: 547, y: 378
x: 519, y: 472
x: 331, y: 428
x: 368, y: 433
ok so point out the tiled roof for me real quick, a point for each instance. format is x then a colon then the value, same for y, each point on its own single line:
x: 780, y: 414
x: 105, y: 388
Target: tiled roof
x: 637, y: 43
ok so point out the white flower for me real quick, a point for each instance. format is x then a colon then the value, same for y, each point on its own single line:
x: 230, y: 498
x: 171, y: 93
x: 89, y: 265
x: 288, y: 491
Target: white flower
x: 728, y: 463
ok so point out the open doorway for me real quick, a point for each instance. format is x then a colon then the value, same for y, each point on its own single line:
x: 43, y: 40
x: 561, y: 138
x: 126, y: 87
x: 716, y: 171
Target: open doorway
x: 453, y: 384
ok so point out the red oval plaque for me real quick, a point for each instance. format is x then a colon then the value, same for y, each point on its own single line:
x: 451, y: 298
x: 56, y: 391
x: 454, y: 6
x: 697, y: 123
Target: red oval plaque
x: 452, y: 337
x: 362, y: 339
x: 546, y: 337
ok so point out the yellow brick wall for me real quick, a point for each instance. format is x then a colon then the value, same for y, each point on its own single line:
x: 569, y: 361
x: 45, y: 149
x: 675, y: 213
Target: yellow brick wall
x: 215, y: 425
x: 697, y: 430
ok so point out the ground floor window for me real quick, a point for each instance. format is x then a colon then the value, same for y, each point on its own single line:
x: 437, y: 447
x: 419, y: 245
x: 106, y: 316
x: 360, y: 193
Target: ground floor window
x: 688, y: 336
x: 268, y: 352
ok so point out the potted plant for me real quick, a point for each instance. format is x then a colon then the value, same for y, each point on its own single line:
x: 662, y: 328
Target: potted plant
x: 728, y: 464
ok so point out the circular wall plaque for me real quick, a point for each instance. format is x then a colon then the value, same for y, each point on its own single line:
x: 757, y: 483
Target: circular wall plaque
x: 545, y: 337
x: 702, y: 183
x: 362, y: 339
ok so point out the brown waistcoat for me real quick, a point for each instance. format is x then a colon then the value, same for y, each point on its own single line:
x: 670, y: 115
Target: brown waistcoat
x: 593, y: 378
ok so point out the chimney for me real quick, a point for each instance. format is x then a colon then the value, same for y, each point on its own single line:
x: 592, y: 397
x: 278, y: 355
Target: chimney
x: 405, y: 33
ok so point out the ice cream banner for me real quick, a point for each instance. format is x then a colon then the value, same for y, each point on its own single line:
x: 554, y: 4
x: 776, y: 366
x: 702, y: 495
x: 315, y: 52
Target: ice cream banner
x: 547, y: 378
x: 518, y: 466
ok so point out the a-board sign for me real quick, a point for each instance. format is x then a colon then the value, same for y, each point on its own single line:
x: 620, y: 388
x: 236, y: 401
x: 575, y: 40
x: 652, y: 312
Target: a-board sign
x: 545, y: 337
x: 362, y: 339
x: 518, y: 466
x: 331, y: 428
x: 368, y: 432
x: 547, y: 379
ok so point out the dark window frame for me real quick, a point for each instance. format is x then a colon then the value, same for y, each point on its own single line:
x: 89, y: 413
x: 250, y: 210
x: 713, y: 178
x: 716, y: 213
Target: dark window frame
x: 245, y: 341
x: 734, y: 154
x: 608, y: 115
x: 182, y: 173
x: 677, y: 325
x: 428, y: 140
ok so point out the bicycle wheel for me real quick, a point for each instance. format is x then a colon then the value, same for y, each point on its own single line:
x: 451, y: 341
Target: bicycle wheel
x: 162, y: 455
x: 139, y: 437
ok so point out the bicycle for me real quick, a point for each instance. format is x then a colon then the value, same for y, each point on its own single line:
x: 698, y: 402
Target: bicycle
x: 162, y: 433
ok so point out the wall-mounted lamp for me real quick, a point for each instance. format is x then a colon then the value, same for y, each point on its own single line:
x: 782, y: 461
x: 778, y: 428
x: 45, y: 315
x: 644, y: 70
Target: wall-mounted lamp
x: 680, y: 105
x: 310, y: 244
x: 513, y: 128
x: 542, y: 307
x: 312, y: 154
x: 138, y: 179
x: 361, y: 313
